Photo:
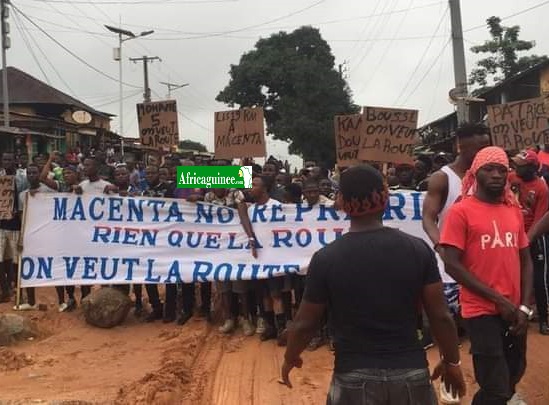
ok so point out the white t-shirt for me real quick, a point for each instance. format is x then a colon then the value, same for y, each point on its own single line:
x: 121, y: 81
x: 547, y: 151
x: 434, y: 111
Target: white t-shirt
x: 322, y: 200
x: 271, y: 201
x: 23, y: 194
x: 454, y: 192
x: 95, y: 187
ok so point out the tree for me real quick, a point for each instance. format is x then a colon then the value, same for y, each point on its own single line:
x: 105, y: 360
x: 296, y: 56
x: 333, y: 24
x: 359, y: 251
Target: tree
x: 504, y: 61
x: 192, y: 145
x: 292, y: 76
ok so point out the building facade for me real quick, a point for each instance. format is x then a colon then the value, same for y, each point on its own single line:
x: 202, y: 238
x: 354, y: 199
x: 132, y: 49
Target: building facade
x: 43, y: 119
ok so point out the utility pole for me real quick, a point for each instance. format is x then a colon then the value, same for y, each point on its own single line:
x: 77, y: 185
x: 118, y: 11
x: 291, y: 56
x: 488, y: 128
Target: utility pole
x: 460, y: 71
x: 146, y: 60
x: 172, y: 86
x: 6, y: 44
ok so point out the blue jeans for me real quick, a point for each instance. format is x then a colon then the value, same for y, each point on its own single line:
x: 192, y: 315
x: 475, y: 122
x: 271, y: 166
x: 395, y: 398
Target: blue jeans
x: 383, y: 387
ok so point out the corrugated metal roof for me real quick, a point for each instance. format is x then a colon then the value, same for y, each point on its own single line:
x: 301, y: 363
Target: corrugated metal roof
x: 26, y: 89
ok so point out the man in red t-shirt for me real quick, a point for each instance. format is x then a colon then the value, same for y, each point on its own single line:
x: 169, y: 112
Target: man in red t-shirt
x: 533, y: 195
x: 485, y: 249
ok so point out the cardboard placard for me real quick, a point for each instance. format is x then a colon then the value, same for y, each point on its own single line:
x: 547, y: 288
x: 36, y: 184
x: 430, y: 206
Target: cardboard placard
x: 158, y: 127
x: 389, y: 135
x: 239, y: 133
x: 7, y: 196
x: 348, y: 138
x: 519, y: 125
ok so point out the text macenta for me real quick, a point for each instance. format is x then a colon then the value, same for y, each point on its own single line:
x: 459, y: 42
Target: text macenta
x: 118, y: 209
x: 114, y: 240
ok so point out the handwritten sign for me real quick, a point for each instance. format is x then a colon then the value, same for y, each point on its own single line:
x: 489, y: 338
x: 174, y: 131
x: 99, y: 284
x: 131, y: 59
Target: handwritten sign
x: 389, y: 135
x: 348, y: 137
x: 158, y: 124
x: 7, y: 196
x: 239, y: 133
x: 519, y: 125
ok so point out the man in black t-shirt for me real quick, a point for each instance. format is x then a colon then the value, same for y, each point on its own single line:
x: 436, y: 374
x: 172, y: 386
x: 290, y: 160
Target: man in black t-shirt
x: 374, y: 295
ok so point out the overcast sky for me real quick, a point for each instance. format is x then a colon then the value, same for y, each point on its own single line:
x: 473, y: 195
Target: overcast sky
x: 396, y: 52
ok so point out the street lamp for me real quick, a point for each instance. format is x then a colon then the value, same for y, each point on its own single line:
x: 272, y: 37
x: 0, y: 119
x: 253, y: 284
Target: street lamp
x: 172, y: 86
x: 123, y: 36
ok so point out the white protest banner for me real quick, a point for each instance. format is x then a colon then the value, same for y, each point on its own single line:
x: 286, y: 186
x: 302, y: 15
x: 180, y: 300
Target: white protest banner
x: 113, y: 240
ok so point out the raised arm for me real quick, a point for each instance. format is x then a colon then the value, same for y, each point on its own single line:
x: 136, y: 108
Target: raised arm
x: 44, y: 176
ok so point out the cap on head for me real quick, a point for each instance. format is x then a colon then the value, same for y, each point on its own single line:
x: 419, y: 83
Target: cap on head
x: 526, y: 157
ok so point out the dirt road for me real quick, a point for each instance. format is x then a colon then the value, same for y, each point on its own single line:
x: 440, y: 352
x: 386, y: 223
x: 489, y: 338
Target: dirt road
x: 168, y: 364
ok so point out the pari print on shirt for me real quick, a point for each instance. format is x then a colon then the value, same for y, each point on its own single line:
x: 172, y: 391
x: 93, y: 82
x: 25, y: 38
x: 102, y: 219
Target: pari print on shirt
x: 490, y: 237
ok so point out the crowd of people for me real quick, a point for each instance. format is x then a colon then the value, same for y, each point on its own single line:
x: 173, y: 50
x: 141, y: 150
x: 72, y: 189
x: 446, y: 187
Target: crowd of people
x: 484, y: 212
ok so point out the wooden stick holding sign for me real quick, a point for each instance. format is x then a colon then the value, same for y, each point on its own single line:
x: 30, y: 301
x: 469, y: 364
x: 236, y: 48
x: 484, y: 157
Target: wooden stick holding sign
x: 239, y: 133
x: 519, y: 125
x: 20, y: 246
x: 389, y: 135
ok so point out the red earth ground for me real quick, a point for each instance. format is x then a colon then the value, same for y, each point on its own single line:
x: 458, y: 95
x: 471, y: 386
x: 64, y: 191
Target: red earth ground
x: 139, y: 363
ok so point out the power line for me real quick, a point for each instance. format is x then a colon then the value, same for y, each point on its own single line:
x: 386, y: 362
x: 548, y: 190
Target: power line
x: 318, y: 23
x: 362, y: 32
x: 526, y: 10
x: 439, y: 79
x: 187, y: 117
x: 136, y: 2
x: 139, y: 44
x: 114, y: 22
x: 45, y: 56
x: 195, y: 122
x: 385, y: 52
x: 108, y: 17
x: 257, y: 25
x: 77, y: 23
x: 420, y: 61
x: 80, y: 59
x: 379, y: 23
x: 67, y: 27
x: 73, y: 30
x: 27, y: 43
x: 112, y: 101
x: 200, y: 35
x: 282, y: 17
x: 285, y: 16
x: 427, y: 71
